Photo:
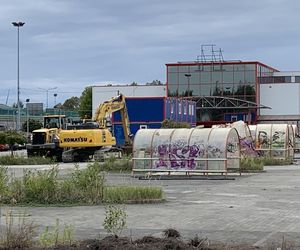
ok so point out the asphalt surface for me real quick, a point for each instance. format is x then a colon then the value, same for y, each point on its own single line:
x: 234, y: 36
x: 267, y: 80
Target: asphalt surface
x: 256, y: 209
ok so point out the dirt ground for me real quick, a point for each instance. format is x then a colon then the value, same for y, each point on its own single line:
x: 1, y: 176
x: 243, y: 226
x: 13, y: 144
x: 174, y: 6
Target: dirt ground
x: 145, y: 243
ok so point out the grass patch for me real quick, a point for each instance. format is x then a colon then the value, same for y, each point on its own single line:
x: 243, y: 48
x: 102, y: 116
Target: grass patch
x: 251, y: 164
x: 258, y: 163
x: 45, y: 188
x: 82, y: 186
x: 117, y: 165
x: 123, y: 194
x: 276, y: 162
x: 15, y: 160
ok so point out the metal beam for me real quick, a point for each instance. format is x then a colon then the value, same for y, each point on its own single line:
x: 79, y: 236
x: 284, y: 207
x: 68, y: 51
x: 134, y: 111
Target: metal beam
x: 224, y: 102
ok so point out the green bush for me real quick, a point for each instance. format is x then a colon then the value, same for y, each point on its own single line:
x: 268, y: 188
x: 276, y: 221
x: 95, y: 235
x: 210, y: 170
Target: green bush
x: 123, y: 194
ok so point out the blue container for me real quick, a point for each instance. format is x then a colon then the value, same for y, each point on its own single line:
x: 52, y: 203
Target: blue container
x: 149, y: 112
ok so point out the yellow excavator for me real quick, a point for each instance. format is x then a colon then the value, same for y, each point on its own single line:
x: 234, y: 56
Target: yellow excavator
x: 93, y: 139
x: 45, y: 141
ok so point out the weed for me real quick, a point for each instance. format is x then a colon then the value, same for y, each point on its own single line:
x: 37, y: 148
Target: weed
x: 171, y: 233
x: 40, y: 186
x: 258, y: 163
x: 20, y: 236
x: 251, y: 164
x: 115, y: 219
x: 3, y: 180
x: 117, y: 165
x: 53, y: 238
x: 276, y: 162
x: 199, y: 243
x: 84, y: 186
x: 90, y: 182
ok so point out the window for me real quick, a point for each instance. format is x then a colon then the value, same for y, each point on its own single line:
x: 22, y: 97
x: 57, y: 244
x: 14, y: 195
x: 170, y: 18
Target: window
x: 282, y: 79
x: 172, y: 108
x: 297, y: 78
x: 143, y: 126
x: 185, y: 109
x: 179, y: 108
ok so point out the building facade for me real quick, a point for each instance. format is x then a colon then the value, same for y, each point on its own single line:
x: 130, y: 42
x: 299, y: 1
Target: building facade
x: 282, y: 94
x: 101, y: 94
x: 224, y: 91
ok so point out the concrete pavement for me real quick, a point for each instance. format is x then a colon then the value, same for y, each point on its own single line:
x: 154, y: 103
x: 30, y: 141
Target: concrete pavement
x: 256, y: 209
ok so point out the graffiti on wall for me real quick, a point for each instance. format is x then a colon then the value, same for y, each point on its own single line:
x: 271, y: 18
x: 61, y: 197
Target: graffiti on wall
x: 178, y: 155
x: 263, y: 140
x: 247, y: 147
x: 278, y: 139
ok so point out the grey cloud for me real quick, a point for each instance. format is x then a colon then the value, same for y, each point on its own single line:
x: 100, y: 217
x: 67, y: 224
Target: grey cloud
x: 78, y: 43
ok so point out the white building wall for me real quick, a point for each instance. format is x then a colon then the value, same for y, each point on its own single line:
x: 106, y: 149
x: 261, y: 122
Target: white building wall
x: 283, y: 98
x: 101, y: 94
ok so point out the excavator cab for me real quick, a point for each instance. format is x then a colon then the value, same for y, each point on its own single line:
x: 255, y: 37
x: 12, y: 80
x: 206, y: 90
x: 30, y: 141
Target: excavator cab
x: 45, y: 141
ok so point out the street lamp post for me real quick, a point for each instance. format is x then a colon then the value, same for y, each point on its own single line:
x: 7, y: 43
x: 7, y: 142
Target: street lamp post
x: 47, y: 91
x: 27, y: 127
x: 55, y: 95
x: 18, y: 25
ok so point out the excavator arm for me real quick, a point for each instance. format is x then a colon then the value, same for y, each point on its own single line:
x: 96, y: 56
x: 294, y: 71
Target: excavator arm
x: 115, y: 104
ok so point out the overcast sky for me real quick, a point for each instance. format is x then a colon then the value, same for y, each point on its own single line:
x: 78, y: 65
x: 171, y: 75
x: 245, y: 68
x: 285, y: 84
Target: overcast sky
x: 71, y: 44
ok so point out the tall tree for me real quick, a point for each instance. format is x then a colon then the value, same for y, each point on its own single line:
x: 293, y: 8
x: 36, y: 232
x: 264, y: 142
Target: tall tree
x: 71, y: 103
x: 15, y: 105
x: 33, y: 125
x: 85, y: 107
x: 154, y: 82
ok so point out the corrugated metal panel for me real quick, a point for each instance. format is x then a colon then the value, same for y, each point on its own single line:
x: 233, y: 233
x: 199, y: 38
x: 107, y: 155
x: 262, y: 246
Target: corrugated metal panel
x: 181, y: 110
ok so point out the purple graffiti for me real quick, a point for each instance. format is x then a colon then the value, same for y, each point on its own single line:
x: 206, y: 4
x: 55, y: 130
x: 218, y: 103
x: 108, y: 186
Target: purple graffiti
x: 247, y: 148
x: 178, y: 155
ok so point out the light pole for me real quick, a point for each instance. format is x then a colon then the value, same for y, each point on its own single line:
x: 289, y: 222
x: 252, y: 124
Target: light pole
x: 188, y: 78
x: 47, y: 91
x: 18, y: 25
x: 55, y: 95
x: 27, y: 127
